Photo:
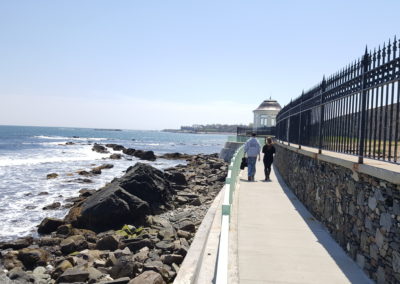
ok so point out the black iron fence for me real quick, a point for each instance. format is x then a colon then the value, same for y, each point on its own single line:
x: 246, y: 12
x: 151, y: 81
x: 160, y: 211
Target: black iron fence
x: 355, y: 111
x: 261, y: 131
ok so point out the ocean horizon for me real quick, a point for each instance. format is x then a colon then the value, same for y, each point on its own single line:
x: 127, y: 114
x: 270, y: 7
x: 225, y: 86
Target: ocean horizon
x: 29, y: 153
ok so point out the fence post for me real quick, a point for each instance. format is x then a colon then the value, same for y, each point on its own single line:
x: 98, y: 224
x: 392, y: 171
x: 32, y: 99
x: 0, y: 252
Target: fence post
x: 301, y: 106
x: 365, y: 64
x: 322, y: 109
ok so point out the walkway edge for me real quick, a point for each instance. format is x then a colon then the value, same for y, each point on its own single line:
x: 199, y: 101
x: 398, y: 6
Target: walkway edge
x: 190, y: 268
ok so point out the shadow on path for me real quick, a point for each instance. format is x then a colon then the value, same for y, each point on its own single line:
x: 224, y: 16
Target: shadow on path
x: 345, y: 263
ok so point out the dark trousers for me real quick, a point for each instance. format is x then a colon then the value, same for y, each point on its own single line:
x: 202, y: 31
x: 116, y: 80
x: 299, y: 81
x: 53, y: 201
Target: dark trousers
x: 267, y: 168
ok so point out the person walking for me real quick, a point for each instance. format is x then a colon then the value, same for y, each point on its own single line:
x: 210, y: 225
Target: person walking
x: 269, y: 151
x: 252, y: 150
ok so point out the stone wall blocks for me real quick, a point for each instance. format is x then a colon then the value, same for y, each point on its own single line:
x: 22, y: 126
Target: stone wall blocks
x: 386, y: 221
x: 396, y: 261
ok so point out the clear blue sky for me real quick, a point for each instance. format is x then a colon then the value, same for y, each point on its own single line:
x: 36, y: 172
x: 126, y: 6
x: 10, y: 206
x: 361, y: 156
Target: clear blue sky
x: 162, y: 64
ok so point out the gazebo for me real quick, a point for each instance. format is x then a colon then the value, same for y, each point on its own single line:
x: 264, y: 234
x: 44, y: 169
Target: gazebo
x: 265, y: 114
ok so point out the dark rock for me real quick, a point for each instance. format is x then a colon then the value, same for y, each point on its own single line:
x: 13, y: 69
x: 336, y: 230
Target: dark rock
x: 116, y: 156
x: 172, y: 258
x: 125, y: 267
x: 43, y: 193
x: 107, y: 243
x: 165, y: 245
x: 64, y: 230
x: 31, y: 257
x: 147, y: 183
x: 175, y: 156
x: 177, y: 177
x: 145, y: 155
x: 136, y: 244
x: 52, y: 206
x: 83, y: 180
x: 115, y: 147
x: 99, y: 148
x: 49, y: 225
x: 186, y: 225
x: 129, y: 151
x: 148, y: 277
x: 73, y: 244
x: 69, y: 143
x: 109, y: 208
x: 52, y: 175
x: 83, y: 173
x: 97, y: 170
x: 86, y: 192
x: 49, y: 241
x: 17, y: 244
x: 72, y: 275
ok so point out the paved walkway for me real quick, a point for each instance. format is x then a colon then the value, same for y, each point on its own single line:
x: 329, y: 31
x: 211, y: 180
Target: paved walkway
x: 278, y: 240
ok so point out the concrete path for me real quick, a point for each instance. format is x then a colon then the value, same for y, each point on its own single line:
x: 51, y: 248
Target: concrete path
x: 278, y: 240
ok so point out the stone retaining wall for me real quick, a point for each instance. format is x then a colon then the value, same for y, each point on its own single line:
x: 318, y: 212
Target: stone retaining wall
x: 361, y: 212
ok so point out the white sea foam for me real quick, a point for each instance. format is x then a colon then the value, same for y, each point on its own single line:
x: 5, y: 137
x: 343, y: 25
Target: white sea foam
x: 70, y: 138
x: 56, y: 156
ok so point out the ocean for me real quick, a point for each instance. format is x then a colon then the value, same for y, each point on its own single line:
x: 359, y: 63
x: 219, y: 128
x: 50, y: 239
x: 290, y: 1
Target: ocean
x: 28, y: 154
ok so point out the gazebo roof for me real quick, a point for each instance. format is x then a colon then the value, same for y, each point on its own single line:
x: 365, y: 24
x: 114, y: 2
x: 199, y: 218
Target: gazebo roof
x: 269, y: 105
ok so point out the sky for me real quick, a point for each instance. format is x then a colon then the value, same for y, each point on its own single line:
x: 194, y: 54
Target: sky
x: 163, y: 64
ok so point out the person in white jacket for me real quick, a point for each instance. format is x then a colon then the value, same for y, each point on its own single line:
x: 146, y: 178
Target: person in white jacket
x: 252, y: 149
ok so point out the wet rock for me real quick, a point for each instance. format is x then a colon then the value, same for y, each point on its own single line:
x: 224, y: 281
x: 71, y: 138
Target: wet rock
x: 129, y: 151
x: 83, y: 173
x: 73, y: 244
x: 49, y: 225
x: 31, y: 257
x: 17, y: 244
x: 52, y: 176
x: 64, y: 230
x: 115, y: 147
x: 72, y: 275
x: 145, y: 155
x: 107, y: 243
x: 148, y: 277
x: 52, y: 206
x: 43, y: 193
x: 99, y: 148
x: 115, y: 156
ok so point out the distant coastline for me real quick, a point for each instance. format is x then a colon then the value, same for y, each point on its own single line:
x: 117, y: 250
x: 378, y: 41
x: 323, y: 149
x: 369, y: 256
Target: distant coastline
x: 106, y: 129
x: 207, y: 129
x: 196, y: 132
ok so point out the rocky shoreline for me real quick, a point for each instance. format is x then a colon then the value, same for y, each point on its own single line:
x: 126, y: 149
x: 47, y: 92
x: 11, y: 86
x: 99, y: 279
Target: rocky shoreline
x: 135, y: 229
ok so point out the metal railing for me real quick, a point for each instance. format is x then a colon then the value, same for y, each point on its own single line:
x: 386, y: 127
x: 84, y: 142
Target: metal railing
x: 355, y: 111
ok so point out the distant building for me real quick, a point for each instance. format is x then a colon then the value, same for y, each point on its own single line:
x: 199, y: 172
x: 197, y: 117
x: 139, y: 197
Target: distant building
x: 265, y: 114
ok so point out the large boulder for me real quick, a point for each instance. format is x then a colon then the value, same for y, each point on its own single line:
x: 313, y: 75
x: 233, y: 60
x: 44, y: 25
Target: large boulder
x: 127, y: 200
x: 147, y: 183
x: 109, y: 208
